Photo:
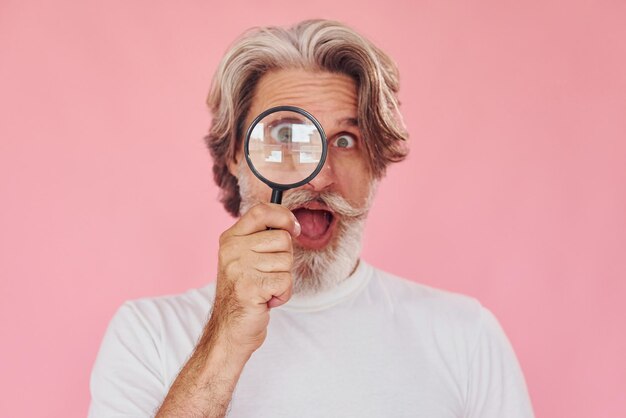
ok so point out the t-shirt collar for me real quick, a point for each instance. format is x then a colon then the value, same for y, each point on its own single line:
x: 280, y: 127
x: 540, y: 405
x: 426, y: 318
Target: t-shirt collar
x: 330, y: 297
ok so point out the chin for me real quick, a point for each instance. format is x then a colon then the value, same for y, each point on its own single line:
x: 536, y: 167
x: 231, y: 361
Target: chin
x: 319, y: 268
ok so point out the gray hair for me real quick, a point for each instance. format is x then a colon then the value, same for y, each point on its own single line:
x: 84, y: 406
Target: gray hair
x: 310, y: 45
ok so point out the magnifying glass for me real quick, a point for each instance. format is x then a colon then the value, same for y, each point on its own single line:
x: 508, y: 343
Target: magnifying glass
x: 285, y: 147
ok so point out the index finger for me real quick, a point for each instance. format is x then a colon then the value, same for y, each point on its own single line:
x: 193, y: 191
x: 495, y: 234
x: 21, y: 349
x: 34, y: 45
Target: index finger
x: 266, y: 215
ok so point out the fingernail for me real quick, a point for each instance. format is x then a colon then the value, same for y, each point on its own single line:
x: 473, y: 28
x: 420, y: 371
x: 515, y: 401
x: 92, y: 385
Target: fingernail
x: 298, y: 229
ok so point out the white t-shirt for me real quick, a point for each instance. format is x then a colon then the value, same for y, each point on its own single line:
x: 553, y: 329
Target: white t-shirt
x: 376, y: 346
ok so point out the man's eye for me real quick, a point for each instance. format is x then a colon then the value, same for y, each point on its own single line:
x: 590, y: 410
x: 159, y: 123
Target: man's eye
x: 281, y: 132
x: 344, y: 141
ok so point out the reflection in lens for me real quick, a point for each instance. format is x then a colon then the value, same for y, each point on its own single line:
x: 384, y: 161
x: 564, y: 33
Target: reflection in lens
x: 285, y: 147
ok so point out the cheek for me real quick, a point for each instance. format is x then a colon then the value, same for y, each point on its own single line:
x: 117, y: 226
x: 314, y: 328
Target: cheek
x: 354, y: 179
x: 252, y: 188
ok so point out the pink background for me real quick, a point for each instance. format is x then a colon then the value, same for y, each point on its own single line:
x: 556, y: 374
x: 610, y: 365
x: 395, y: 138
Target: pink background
x: 514, y: 192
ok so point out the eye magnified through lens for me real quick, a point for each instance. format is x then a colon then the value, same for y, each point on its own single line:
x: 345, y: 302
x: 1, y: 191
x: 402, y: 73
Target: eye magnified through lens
x: 285, y: 147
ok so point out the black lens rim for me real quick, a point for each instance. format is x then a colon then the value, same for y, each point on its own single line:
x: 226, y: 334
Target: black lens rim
x: 320, y: 165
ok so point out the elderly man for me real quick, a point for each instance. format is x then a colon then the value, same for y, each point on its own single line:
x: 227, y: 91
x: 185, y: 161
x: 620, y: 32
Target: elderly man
x: 298, y: 325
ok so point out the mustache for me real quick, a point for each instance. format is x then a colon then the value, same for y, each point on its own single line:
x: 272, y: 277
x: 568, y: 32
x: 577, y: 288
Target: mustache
x: 334, y: 201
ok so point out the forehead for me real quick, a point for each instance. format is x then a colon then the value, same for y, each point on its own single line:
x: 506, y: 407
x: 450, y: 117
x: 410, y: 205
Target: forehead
x: 330, y: 97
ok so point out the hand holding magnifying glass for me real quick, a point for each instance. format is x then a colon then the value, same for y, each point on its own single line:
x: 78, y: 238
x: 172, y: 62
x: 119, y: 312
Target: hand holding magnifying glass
x: 285, y: 147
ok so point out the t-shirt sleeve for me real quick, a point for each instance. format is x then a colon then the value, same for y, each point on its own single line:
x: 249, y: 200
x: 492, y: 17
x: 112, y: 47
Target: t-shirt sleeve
x: 496, y: 386
x: 127, y: 378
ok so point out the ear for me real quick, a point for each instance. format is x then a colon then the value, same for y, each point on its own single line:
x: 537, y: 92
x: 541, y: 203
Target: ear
x: 233, y: 165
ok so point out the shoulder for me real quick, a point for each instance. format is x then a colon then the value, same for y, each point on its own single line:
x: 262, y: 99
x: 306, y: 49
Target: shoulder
x: 408, y: 295
x: 143, y: 348
x: 157, y: 318
x: 191, y: 302
x: 457, y: 324
x: 447, y: 317
x: 157, y: 331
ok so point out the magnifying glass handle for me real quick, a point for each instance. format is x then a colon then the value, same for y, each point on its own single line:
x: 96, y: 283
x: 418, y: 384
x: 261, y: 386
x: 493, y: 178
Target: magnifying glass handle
x: 277, y: 196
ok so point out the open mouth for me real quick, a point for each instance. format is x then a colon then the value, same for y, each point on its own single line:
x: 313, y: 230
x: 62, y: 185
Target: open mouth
x: 317, y: 223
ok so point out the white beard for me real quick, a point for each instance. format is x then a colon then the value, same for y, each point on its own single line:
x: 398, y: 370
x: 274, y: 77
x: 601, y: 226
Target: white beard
x: 318, y: 270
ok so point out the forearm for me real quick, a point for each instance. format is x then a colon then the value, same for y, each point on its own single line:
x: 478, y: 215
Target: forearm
x: 254, y: 275
x: 205, y: 385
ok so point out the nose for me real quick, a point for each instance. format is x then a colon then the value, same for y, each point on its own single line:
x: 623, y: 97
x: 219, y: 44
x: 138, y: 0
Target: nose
x: 324, y: 179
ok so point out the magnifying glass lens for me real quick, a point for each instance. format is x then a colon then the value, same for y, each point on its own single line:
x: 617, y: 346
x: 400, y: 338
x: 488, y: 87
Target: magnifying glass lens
x: 285, y: 147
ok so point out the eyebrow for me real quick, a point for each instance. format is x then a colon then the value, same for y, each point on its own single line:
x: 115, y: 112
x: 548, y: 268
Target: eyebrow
x: 285, y: 119
x: 349, y: 122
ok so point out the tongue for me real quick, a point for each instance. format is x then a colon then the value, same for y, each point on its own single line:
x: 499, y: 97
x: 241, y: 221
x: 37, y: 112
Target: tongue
x: 314, y: 223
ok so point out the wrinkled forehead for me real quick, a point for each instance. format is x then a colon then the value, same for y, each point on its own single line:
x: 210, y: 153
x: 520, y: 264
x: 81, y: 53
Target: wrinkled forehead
x: 329, y: 97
